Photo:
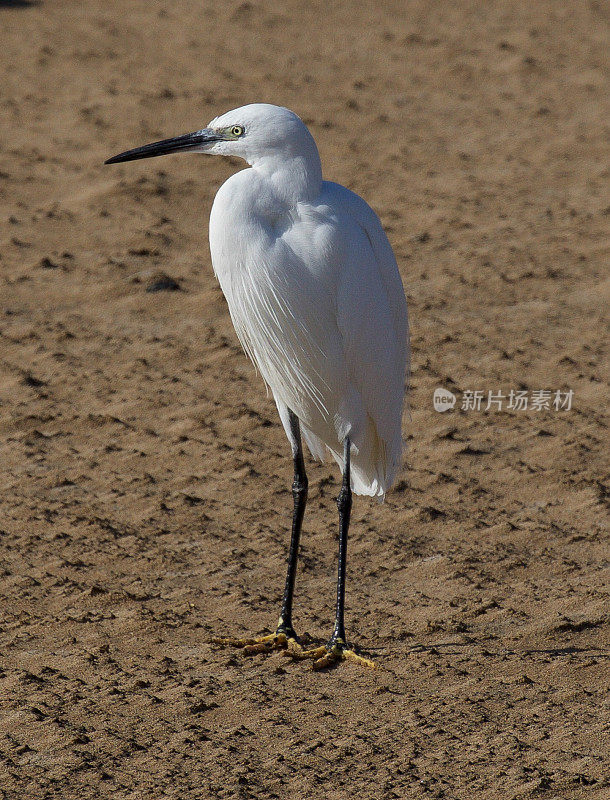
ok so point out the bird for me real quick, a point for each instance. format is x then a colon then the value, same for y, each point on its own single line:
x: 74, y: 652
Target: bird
x: 316, y: 299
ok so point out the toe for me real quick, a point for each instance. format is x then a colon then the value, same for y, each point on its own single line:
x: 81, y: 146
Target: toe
x: 257, y: 647
x: 329, y: 658
x: 293, y: 648
x: 331, y: 654
x: 252, y: 645
x: 297, y: 651
x: 364, y: 662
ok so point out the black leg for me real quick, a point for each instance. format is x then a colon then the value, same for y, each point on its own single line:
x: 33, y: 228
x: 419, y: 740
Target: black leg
x: 299, y: 493
x: 337, y: 648
x: 344, y: 503
x: 284, y: 637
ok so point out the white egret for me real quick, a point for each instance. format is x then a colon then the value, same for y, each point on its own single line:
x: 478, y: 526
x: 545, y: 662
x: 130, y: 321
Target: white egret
x: 317, y: 302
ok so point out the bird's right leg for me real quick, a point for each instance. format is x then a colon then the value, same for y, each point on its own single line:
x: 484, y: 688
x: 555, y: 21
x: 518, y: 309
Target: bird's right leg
x: 285, y: 637
x: 299, y: 494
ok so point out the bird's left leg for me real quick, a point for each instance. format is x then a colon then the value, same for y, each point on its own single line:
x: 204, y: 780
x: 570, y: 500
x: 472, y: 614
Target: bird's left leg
x: 337, y: 648
x: 285, y: 637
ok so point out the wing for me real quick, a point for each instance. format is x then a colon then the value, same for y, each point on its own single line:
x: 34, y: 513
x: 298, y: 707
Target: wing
x: 284, y: 316
x: 371, y: 312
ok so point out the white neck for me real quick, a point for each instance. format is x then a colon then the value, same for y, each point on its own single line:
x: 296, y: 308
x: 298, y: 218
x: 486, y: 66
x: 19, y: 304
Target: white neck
x: 294, y: 171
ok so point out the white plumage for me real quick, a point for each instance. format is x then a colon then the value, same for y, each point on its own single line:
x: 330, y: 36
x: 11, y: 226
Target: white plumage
x: 314, y: 294
x: 317, y: 302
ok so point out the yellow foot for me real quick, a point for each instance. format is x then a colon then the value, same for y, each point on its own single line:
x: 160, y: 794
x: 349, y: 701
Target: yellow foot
x: 280, y: 640
x: 330, y: 654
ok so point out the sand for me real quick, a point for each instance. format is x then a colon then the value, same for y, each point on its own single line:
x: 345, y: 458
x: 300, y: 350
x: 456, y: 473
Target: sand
x: 145, y: 478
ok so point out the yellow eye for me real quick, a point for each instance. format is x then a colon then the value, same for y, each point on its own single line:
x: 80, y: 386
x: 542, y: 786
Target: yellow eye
x: 237, y: 130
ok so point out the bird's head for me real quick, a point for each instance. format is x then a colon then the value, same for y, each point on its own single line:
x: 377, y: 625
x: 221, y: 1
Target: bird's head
x: 256, y: 133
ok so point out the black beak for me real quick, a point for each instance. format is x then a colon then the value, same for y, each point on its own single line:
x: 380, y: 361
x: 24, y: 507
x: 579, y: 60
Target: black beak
x: 178, y: 144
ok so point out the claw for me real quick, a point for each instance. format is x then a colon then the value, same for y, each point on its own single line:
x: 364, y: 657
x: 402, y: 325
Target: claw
x: 330, y: 654
x: 263, y: 645
x: 280, y: 640
x: 287, y: 641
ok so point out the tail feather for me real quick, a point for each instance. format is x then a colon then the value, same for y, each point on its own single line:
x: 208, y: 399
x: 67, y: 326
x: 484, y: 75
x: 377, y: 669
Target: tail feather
x: 373, y: 466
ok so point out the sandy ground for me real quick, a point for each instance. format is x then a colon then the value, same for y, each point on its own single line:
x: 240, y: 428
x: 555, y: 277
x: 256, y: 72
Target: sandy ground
x: 144, y: 479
